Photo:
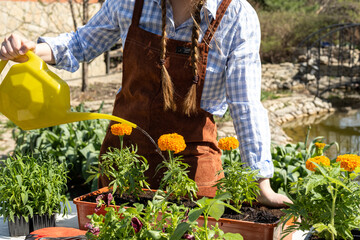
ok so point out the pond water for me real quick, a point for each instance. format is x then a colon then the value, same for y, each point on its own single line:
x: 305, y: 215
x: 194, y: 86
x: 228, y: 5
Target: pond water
x: 343, y: 128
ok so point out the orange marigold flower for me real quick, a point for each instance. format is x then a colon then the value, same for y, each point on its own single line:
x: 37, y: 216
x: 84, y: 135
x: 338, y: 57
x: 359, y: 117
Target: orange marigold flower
x: 172, y: 142
x: 321, y: 160
x: 349, y: 161
x: 121, y: 129
x: 228, y: 143
x: 320, y: 145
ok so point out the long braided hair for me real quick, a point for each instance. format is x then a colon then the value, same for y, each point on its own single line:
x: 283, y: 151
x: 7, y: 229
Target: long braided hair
x: 189, y: 106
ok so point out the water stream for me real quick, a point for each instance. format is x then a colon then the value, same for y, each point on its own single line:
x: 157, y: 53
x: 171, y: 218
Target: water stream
x: 343, y: 128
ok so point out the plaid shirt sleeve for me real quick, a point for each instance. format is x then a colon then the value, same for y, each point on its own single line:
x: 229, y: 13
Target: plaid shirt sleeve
x: 243, y: 87
x: 99, y: 34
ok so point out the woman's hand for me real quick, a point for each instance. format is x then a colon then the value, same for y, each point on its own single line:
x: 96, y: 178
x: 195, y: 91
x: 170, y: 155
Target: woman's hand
x: 268, y: 197
x: 14, y: 47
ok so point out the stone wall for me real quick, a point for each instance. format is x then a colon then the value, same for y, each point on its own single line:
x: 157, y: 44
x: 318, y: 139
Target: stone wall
x: 46, y: 18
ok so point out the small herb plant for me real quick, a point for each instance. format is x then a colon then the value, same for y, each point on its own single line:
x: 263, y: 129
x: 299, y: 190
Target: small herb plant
x: 328, y: 199
x: 123, y: 166
x: 78, y: 144
x: 31, y: 186
x: 175, y: 179
x: 215, y: 208
x: 239, y: 181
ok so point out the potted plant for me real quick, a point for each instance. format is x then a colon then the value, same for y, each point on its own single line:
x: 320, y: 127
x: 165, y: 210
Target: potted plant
x: 175, y: 180
x: 245, y: 189
x: 124, y: 167
x: 159, y: 219
x: 327, y: 200
x: 31, y: 191
x: 241, y: 183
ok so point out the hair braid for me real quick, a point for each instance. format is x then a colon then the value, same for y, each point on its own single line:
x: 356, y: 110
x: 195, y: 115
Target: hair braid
x: 167, y: 85
x: 190, y: 100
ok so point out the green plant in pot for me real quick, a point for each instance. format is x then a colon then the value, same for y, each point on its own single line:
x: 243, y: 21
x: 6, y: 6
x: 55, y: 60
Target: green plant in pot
x: 327, y: 200
x: 239, y: 181
x: 123, y: 166
x: 78, y: 144
x: 175, y: 180
x: 255, y: 221
x: 159, y: 219
x: 31, y: 191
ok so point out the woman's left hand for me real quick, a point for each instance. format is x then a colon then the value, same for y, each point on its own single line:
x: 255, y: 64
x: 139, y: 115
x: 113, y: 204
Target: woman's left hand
x: 268, y: 197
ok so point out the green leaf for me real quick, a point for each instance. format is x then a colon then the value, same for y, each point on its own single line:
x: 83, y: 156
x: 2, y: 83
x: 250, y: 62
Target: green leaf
x: 319, y: 227
x: 180, y: 230
x: 154, y: 234
x: 233, y: 236
x: 216, y: 209
x: 195, y: 214
x: 223, y: 196
x: 19, y: 180
x: 24, y: 197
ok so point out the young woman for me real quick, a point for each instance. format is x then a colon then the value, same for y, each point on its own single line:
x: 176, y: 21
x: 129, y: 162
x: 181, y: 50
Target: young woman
x: 184, y: 61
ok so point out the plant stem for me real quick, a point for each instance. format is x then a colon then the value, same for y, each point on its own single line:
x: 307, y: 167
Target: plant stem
x: 333, y: 212
x: 205, y: 225
x: 121, y: 141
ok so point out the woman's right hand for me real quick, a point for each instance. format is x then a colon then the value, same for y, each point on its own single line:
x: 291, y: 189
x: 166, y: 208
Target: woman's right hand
x: 14, y: 47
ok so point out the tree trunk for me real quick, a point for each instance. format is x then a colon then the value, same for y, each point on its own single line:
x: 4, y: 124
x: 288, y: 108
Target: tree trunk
x: 85, y: 64
x: 84, y: 76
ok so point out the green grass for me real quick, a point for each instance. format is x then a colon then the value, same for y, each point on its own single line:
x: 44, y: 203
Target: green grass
x: 9, y: 124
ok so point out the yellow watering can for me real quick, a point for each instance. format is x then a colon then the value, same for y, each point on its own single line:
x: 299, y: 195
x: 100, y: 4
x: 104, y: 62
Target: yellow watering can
x: 34, y: 97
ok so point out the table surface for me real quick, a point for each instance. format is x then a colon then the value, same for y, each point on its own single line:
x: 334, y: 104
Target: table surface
x: 72, y: 221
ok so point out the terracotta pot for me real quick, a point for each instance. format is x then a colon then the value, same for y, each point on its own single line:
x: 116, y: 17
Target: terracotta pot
x: 88, y: 208
x: 249, y: 230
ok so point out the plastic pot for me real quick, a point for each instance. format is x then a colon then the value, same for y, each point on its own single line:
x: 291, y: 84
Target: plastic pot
x: 19, y: 227
x: 42, y: 221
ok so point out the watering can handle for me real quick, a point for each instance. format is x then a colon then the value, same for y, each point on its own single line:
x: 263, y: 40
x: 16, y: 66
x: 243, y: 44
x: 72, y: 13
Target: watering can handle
x: 29, y: 54
x: 2, y: 65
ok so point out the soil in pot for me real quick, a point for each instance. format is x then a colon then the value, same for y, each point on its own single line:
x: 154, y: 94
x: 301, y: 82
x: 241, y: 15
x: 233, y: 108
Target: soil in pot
x: 19, y: 227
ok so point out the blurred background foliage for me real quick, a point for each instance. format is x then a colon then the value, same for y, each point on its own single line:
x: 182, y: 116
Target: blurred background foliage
x: 285, y: 23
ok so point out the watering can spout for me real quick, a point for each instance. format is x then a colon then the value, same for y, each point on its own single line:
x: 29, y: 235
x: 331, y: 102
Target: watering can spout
x: 34, y: 97
x: 81, y: 116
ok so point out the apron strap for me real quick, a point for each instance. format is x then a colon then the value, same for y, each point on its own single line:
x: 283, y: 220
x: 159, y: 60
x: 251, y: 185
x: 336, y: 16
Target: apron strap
x: 137, y: 12
x: 216, y: 22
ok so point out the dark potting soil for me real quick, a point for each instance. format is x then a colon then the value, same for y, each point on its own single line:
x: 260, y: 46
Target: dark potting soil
x: 255, y: 213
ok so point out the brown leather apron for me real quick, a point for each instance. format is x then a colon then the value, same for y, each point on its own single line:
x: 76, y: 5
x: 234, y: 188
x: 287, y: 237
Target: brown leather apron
x: 140, y: 101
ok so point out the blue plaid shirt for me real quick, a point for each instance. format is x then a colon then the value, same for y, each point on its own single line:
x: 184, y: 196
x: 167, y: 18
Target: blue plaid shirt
x: 233, y: 73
